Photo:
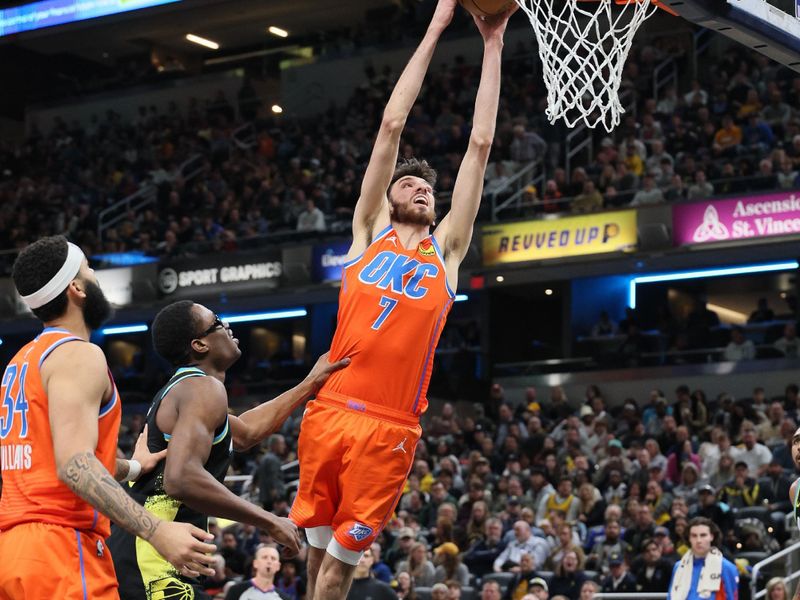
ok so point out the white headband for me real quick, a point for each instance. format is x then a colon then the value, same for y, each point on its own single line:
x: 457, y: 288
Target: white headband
x: 60, y: 280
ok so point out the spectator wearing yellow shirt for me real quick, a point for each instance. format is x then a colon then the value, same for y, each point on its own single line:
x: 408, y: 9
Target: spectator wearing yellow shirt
x: 728, y: 138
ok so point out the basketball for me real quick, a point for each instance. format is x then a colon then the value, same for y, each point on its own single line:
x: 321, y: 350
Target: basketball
x: 486, y: 8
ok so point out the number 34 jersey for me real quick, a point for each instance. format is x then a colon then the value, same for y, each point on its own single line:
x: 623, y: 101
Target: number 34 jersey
x: 393, y: 304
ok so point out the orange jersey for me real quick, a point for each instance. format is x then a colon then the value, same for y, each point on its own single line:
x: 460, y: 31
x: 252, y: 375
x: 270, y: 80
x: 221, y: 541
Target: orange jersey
x: 32, y: 492
x: 392, y: 308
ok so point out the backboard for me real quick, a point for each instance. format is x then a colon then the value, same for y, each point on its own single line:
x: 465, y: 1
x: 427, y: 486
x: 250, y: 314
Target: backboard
x: 771, y: 28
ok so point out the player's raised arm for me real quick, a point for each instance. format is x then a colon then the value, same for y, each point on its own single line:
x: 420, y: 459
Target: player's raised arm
x: 455, y: 231
x: 253, y: 426
x: 372, y: 202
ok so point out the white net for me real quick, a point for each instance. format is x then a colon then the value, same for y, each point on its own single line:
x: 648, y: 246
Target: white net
x: 583, y: 47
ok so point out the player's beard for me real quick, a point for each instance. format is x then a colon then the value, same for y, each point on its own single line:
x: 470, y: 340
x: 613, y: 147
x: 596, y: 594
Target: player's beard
x: 407, y: 214
x: 96, y: 308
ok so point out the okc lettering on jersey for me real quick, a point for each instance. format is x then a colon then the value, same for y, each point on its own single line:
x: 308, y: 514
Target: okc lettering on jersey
x: 388, y: 270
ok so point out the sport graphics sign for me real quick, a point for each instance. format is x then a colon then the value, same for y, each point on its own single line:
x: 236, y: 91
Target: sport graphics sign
x: 736, y: 219
x: 327, y: 261
x: 211, y: 274
x: 558, y: 238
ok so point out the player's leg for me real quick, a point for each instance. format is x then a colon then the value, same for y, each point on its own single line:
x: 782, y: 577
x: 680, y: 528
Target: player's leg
x: 319, y: 451
x: 376, y: 464
x: 318, y: 540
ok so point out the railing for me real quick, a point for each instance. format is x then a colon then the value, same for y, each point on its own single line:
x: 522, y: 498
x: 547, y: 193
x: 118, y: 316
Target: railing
x: 664, y: 74
x: 118, y: 211
x: 577, y: 141
x: 701, y: 40
x: 247, y: 480
x: 144, y: 197
x: 532, y: 173
x: 629, y: 595
x: 759, y: 566
x: 245, y: 136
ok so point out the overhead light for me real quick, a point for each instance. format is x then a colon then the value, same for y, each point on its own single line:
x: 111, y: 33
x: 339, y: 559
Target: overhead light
x: 277, y: 109
x: 548, y: 292
x: 201, y: 41
x: 277, y: 31
x: 500, y: 279
x: 120, y: 329
x: 289, y: 313
x: 707, y: 273
x: 461, y: 298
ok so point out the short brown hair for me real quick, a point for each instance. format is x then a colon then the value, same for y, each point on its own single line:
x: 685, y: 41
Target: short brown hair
x: 415, y: 168
x: 716, y: 534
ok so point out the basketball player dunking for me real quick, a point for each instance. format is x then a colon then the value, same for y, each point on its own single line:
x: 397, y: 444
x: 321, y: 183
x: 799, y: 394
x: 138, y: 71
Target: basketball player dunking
x: 58, y: 428
x: 358, y: 437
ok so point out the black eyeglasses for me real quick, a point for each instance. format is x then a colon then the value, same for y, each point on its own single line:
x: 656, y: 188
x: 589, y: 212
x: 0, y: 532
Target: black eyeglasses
x: 214, y: 326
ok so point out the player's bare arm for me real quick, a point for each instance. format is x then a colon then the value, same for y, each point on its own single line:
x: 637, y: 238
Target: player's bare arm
x: 201, y: 406
x: 454, y: 233
x: 253, y: 426
x: 372, y: 209
x: 76, y: 379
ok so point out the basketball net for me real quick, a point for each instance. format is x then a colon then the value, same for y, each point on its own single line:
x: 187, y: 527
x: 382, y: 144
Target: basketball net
x: 583, y: 53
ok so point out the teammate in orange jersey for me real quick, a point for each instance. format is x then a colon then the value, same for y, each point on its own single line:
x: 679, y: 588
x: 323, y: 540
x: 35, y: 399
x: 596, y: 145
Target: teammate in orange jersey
x: 358, y: 437
x: 59, y: 421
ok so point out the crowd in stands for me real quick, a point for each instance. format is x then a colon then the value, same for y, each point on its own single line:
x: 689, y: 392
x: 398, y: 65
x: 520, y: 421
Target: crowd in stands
x: 557, y: 497
x: 657, y: 336
x: 742, y: 121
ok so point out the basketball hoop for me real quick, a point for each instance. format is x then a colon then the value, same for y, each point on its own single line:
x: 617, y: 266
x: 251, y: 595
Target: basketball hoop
x: 583, y: 47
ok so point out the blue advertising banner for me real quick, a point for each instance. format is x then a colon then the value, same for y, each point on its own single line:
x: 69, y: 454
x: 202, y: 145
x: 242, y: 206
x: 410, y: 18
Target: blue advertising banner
x: 327, y: 261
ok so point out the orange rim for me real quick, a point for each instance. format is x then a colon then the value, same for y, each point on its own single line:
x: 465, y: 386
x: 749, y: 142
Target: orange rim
x: 658, y: 3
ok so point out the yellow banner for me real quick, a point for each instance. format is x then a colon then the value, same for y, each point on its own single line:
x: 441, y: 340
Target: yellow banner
x: 557, y: 238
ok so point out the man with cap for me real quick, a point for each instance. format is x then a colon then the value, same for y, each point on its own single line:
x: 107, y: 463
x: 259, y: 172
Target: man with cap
x: 662, y: 536
x: 538, y: 589
x: 708, y: 507
x: 742, y: 490
x: 524, y: 542
x: 401, y: 549
x: 61, y: 494
x: 619, y: 580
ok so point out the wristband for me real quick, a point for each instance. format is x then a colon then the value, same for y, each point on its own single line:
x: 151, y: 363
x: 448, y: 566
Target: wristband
x: 134, y: 470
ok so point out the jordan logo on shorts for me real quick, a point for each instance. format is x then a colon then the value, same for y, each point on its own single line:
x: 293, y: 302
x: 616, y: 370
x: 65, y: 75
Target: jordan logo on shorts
x: 360, y: 532
x: 401, y: 447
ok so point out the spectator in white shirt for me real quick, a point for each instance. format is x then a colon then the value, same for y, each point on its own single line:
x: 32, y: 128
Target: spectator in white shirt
x: 757, y: 456
x: 524, y: 542
x: 701, y: 188
x: 649, y: 194
x: 739, y: 348
x: 311, y: 219
x: 789, y: 345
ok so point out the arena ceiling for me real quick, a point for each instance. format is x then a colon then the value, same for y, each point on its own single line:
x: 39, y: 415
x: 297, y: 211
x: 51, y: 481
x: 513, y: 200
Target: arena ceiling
x: 234, y: 24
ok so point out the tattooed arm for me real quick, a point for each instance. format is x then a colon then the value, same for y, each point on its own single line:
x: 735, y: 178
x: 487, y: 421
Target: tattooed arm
x: 75, y: 377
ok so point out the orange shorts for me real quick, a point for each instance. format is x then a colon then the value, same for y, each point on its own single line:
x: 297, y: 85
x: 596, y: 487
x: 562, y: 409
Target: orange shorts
x: 354, y: 461
x: 42, y: 562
